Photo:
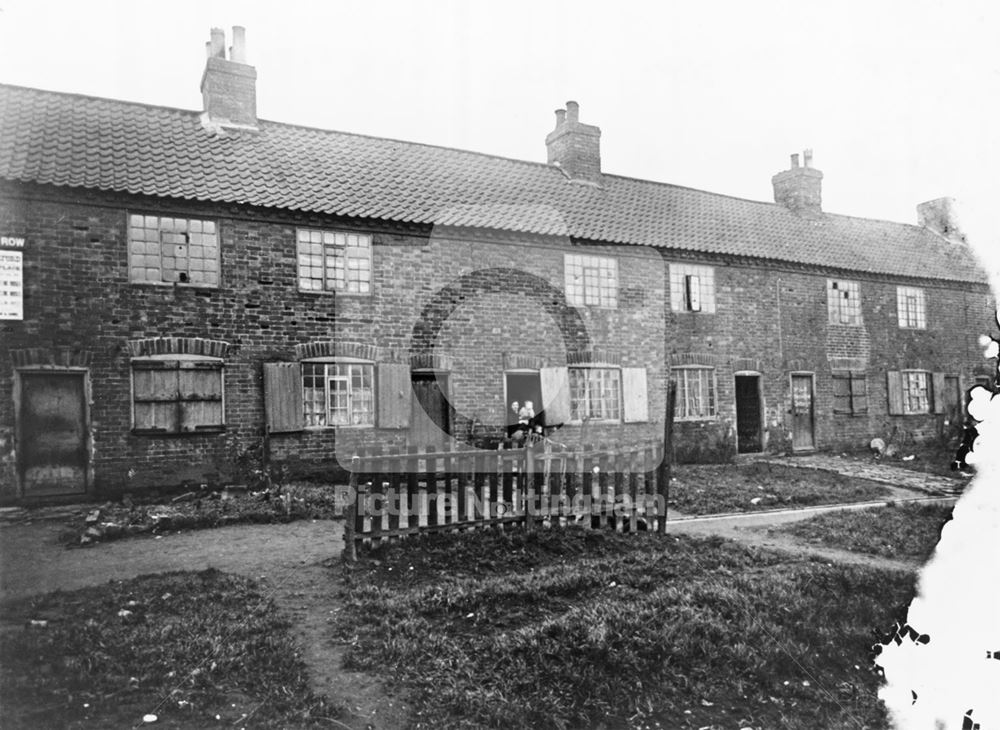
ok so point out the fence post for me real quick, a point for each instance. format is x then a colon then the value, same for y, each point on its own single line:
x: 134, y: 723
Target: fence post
x: 528, y: 487
x: 663, y: 472
x: 350, y: 514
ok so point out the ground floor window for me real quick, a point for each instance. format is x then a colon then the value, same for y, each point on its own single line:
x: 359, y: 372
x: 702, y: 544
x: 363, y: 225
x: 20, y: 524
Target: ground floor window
x: 916, y: 392
x: 695, y: 393
x: 177, y: 395
x: 338, y: 394
x: 595, y: 394
x: 850, y: 392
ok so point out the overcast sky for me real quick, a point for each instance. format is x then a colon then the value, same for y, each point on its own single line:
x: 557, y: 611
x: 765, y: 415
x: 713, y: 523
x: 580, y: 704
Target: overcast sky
x: 897, y: 99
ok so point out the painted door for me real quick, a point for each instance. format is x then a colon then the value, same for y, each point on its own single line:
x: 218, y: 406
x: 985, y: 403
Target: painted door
x: 430, y: 422
x: 748, y: 414
x: 52, y: 434
x: 803, y: 437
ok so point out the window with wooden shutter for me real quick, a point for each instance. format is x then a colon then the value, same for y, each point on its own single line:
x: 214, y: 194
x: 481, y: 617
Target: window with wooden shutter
x: 283, y: 397
x: 636, y: 402
x: 394, y: 395
x: 181, y: 395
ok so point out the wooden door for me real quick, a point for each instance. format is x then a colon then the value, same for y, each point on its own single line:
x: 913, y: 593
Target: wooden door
x: 430, y: 422
x: 803, y: 437
x: 952, y: 397
x: 748, y: 414
x: 52, y: 434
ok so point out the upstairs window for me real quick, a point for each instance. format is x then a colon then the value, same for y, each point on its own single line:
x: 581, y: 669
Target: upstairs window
x: 338, y: 394
x: 165, y: 250
x: 843, y: 302
x: 595, y: 394
x: 695, y: 393
x: 692, y: 288
x: 332, y: 261
x: 177, y: 394
x: 910, y: 306
x: 591, y: 281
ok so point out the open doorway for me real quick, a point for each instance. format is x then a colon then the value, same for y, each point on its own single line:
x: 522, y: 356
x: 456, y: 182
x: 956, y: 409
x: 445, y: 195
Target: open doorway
x: 748, y: 421
x: 523, y: 387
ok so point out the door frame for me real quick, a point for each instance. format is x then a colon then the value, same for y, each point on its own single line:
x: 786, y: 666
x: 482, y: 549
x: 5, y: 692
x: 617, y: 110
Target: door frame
x: 446, y: 392
x: 516, y: 371
x: 760, y: 407
x: 88, y: 439
x: 811, y: 374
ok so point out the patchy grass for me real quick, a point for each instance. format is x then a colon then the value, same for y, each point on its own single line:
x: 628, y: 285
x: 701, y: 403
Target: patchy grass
x: 194, y: 649
x: 714, y: 489
x: 907, y: 531
x: 201, y: 509
x: 568, y: 629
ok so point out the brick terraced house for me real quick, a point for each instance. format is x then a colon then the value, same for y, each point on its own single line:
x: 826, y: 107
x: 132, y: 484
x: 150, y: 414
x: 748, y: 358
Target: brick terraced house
x: 179, y: 287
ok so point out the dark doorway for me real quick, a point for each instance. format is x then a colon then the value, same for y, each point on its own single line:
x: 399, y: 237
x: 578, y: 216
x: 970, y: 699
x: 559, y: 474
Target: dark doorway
x: 430, y: 422
x: 748, y: 435
x: 803, y: 437
x: 524, y: 387
x: 52, y: 434
x: 953, y: 407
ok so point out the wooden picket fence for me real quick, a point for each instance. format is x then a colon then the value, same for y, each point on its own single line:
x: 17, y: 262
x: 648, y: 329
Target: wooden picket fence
x: 537, y: 486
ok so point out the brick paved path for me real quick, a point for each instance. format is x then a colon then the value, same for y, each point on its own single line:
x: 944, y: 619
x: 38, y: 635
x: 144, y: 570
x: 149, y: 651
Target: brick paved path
x: 873, y: 470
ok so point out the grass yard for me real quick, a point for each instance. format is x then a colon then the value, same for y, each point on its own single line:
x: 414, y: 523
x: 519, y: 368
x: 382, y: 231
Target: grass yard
x: 194, y: 649
x: 568, y: 629
x: 906, y: 531
x: 699, y: 489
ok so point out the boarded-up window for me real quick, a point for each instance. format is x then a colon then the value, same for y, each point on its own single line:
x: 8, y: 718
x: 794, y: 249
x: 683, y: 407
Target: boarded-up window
x: 177, y: 395
x: 850, y: 392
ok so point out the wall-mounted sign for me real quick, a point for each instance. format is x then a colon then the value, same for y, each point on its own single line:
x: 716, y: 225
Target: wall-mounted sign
x: 11, y: 242
x: 11, y: 285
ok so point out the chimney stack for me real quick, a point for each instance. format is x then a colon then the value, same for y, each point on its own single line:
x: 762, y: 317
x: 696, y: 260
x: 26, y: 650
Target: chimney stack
x: 799, y: 188
x: 939, y: 216
x: 229, y: 86
x: 575, y: 147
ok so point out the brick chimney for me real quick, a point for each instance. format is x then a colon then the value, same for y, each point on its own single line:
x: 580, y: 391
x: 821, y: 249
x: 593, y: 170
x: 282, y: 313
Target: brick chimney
x: 229, y: 85
x: 575, y: 147
x: 799, y: 188
x: 939, y: 216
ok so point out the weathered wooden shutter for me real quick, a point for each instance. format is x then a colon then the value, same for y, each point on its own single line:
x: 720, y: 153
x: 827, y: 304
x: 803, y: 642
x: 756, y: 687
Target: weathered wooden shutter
x: 555, y: 395
x: 393, y: 393
x: 155, y: 395
x: 894, y: 385
x: 859, y: 392
x: 636, y: 401
x: 938, y: 392
x: 283, y: 406
x: 200, y: 387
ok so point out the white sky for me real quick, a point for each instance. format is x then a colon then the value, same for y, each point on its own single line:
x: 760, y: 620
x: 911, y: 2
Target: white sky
x: 897, y: 99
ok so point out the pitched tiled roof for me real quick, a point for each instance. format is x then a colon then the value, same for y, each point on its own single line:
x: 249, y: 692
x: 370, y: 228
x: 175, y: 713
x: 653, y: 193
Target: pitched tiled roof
x: 71, y: 140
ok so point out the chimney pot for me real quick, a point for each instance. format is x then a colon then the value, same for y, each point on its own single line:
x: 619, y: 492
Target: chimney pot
x: 807, y: 158
x: 218, y: 43
x: 800, y: 188
x: 238, y: 52
x: 575, y: 147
